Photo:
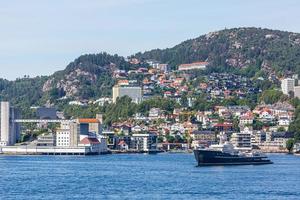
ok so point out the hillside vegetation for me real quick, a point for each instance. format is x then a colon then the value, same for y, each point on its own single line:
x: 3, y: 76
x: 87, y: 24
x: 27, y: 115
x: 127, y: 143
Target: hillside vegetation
x: 246, y: 50
x: 240, y: 47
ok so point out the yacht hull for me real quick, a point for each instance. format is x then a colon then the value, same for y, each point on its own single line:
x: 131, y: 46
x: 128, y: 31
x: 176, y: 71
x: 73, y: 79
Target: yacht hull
x: 218, y: 158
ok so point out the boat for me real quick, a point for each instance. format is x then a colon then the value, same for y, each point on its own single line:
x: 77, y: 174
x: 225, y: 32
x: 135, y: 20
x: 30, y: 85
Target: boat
x: 224, y: 153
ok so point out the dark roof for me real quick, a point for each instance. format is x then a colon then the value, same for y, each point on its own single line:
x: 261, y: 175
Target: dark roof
x: 282, y: 135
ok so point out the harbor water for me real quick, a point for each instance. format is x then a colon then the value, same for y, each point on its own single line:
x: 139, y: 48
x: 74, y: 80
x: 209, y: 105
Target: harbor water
x: 141, y: 176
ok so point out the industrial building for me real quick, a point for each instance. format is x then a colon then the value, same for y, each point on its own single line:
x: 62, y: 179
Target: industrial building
x: 10, y: 130
x: 77, y: 136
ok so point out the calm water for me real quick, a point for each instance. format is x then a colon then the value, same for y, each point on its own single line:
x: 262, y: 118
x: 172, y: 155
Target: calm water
x: 162, y: 176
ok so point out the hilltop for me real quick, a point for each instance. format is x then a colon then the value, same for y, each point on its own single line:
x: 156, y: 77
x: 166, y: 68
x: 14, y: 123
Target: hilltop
x: 266, y: 49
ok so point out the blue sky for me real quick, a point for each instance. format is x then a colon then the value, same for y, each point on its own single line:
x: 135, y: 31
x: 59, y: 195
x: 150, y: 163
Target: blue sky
x: 39, y: 37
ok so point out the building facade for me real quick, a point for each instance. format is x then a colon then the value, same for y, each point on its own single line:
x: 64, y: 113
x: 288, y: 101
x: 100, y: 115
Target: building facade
x: 192, y: 66
x: 297, y: 91
x: 134, y: 92
x: 10, y: 130
x: 144, y: 142
x: 287, y: 85
x: 242, y: 140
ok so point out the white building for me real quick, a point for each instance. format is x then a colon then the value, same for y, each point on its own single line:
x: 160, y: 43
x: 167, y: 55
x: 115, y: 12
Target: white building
x: 63, y: 137
x: 9, y: 132
x: 287, y: 85
x: 246, y: 119
x: 284, y: 121
x: 103, y: 100
x: 77, y: 103
x: 163, y: 67
x: 68, y: 135
x: 297, y: 91
x: 144, y: 142
x: 192, y: 66
x: 82, y: 133
x: 134, y: 92
x: 258, y: 137
x: 242, y: 140
x: 201, y: 117
x: 266, y: 115
x: 154, y: 112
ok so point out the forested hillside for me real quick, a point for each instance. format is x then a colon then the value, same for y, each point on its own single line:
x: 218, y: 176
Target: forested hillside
x: 87, y: 77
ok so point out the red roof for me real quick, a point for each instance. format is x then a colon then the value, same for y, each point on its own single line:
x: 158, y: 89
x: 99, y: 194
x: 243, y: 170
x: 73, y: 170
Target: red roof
x: 87, y: 140
x: 266, y: 110
x: 223, y: 125
x: 122, y: 142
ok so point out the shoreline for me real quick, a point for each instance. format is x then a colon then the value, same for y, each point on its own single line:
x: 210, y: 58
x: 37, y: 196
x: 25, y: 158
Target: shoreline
x: 112, y: 152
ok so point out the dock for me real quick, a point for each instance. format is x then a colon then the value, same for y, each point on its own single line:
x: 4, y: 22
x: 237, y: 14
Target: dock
x: 40, y: 150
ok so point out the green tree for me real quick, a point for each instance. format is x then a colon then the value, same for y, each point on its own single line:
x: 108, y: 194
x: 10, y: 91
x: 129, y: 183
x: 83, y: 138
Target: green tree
x: 271, y: 96
x: 281, y: 129
x: 170, y: 138
x: 184, y: 101
x: 257, y: 125
x: 290, y: 144
x: 121, y: 110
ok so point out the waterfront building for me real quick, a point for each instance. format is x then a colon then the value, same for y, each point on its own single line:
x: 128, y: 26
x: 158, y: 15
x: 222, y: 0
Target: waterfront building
x: 94, y: 125
x: 63, y: 137
x: 204, y: 135
x: 287, y: 85
x: 111, y: 138
x: 46, y: 140
x: 242, y: 140
x: 258, y: 137
x: 203, y: 138
x: 72, y: 132
x: 144, y: 142
x: 275, y: 141
x: 134, y: 92
x: 122, y: 145
x: 10, y: 130
x: 92, y: 143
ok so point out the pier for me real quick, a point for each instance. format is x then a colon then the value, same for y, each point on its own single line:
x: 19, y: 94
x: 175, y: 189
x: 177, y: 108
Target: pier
x: 39, y: 150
